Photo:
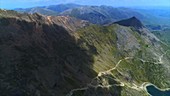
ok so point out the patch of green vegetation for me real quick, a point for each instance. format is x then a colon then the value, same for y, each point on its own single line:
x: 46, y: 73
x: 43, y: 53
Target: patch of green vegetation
x: 138, y: 71
x: 163, y: 35
x: 156, y: 74
x: 103, y: 39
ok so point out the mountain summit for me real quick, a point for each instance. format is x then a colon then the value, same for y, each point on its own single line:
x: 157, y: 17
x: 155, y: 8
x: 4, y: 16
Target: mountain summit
x: 133, y: 22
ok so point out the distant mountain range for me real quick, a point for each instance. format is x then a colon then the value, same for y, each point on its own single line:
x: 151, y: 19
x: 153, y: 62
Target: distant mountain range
x: 48, y: 10
x: 103, y: 14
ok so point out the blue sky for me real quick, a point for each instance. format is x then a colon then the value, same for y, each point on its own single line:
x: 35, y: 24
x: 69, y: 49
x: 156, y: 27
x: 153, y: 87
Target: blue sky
x: 10, y: 4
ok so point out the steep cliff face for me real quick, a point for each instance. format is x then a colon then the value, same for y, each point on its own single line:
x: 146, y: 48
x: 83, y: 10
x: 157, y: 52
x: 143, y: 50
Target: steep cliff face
x: 58, y: 56
x: 39, y: 57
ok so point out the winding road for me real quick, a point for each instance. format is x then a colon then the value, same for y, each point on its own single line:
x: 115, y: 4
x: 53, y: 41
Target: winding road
x: 107, y: 72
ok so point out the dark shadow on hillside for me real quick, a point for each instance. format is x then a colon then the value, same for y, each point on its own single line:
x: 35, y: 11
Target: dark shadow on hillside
x: 41, y: 59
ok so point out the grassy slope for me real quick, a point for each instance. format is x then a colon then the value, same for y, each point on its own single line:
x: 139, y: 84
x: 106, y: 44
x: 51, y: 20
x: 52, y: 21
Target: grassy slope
x: 129, y: 72
x: 164, y: 35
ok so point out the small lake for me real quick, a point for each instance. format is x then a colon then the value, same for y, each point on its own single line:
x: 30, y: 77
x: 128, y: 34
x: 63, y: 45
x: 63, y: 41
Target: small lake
x: 153, y: 91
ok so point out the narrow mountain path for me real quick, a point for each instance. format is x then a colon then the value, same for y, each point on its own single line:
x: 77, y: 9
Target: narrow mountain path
x: 107, y: 72
x: 99, y: 74
x: 160, y: 57
x: 160, y: 61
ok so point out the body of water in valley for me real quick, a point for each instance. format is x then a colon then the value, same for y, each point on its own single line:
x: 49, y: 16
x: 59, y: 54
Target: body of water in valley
x: 153, y: 91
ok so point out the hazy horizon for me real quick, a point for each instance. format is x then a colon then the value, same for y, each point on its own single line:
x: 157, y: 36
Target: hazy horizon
x: 4, y: 4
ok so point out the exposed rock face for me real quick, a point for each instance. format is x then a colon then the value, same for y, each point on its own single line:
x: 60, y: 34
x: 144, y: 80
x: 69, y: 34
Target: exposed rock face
x: 69, y: 23
x: 133, y: 22
x: 126, y: 40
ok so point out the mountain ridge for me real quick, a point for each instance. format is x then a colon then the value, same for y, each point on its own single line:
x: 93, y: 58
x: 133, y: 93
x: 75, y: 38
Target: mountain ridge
x: 101, y: 14
x: 111, y: 14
